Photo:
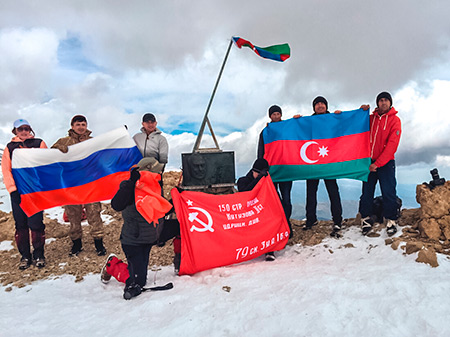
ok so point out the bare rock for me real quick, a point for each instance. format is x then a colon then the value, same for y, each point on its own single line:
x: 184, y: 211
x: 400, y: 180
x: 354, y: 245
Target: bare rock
x: 373, y: 234
x: 444, y: 223
x: 428, y: 256
x: 409, y: 217
x: 395, y: 244
x: 438, y: 248
x: 434, y: 203
x: 429, y: 228
x: 409, y: 230
x: 412, y: 247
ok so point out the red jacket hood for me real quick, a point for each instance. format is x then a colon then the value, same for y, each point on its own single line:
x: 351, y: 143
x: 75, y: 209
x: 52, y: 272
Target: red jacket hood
x: 385, y: 131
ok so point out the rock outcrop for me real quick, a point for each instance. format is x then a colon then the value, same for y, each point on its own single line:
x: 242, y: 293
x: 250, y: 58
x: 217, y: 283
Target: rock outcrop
x: 426, y: 231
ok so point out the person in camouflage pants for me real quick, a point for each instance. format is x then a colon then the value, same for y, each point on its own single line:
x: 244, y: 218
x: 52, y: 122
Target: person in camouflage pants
x: 78, y: 133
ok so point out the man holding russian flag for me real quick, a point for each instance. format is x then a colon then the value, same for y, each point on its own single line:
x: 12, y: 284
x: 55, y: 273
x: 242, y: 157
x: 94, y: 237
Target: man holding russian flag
x: 78, y: 133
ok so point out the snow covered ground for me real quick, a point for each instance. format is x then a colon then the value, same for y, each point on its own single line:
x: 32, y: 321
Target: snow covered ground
x: 366, y: 289
x: 352, y: 286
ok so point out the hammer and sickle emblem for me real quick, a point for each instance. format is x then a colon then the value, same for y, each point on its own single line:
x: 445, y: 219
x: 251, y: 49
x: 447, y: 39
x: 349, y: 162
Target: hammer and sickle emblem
x: 194, y: 217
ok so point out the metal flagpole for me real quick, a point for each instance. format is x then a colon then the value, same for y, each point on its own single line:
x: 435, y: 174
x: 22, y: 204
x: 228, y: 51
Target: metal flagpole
x: 205, y: 117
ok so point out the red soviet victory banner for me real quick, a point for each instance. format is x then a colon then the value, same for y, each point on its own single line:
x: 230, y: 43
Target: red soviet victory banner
x: 219, y: 230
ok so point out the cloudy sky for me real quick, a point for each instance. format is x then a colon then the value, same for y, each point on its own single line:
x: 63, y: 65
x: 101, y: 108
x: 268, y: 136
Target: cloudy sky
x: 115, y: 60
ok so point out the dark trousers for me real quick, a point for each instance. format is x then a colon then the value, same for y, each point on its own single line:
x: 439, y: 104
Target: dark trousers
x: 311, y: 200
x: 24, y: 225
x: 137, y: 258
x: 167, y: 229
x: 284, y: 193
x: 386, y: 176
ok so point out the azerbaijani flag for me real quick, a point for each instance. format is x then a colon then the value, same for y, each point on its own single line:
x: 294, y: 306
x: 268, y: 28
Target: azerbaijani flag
x: 91, y: 171
x: 328, y: 146
x: 279, y: 52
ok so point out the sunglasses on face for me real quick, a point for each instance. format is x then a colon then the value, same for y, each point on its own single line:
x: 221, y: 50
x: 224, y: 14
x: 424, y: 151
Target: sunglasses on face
x: 24, y: 128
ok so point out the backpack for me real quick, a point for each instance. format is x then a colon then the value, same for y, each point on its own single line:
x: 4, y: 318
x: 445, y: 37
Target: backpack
x: 378, y: 208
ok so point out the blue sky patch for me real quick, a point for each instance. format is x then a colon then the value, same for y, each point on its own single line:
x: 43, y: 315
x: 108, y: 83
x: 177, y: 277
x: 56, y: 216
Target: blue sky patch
x: 70, y: 55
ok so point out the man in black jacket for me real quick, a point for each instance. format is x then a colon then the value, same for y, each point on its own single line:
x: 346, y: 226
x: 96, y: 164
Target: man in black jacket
x: 320, y: 106
x: 247, y: 183
x: 283, y: 187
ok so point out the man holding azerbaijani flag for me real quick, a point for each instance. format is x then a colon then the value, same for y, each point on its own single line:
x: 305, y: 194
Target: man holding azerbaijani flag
x: 283, y: 187
x: 320, y: 107
x: 323, y: 146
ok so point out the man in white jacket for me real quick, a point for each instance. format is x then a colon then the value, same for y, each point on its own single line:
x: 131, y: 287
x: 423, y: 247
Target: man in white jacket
x: 150, y: 140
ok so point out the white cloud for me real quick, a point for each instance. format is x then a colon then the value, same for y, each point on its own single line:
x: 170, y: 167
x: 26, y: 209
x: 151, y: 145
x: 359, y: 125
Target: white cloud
x: 26, y: 63
x: 164, y: 57
x: 443, y: 161
x: 425, y: 121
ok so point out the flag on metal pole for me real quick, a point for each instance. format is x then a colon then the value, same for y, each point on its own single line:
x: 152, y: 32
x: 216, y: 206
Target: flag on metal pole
x: 279, y: 52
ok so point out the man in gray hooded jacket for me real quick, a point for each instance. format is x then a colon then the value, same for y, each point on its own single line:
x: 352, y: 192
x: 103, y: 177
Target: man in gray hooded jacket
x: 150, y: 140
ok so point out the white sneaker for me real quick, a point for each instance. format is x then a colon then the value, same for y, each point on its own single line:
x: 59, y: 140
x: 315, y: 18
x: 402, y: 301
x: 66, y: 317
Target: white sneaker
x: 366, y: 224
x: 270, y: 256
x: 104, y: 276
x: 391, y: 227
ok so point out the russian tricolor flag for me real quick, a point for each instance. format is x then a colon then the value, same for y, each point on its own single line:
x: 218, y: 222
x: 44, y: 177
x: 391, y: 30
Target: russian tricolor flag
x: 328, y: 146
x: 91, y: 171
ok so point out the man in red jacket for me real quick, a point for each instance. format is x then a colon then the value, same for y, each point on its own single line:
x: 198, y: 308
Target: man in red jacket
x: 385, y: 131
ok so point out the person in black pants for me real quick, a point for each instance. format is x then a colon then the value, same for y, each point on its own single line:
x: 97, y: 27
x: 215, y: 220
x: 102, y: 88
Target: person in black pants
x: 139, y: 236
x: 283, y: 187
x: 320, y: 106
x: 24, y: 138
x: 385, y: 132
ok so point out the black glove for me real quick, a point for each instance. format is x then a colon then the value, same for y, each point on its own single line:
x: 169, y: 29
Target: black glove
x: 134, y: 175
x: 15, y: 197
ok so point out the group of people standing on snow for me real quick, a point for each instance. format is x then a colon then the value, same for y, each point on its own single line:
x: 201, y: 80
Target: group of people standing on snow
x: 385, y: 131
x: 154, y: 148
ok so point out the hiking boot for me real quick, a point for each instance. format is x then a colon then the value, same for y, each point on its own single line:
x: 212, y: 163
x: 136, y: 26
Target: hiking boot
x: 336, y: 229
x: 270, y: 256
x: 40, y: 262
x: 308, y: 226
x: 104, y: 276
x: 177, y: 262
x: 77, y: 247
x: 101, y: 250
x: 25, y: 263
x: 391, y: 227
x: 131, y: 291
x: 366, y: 224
